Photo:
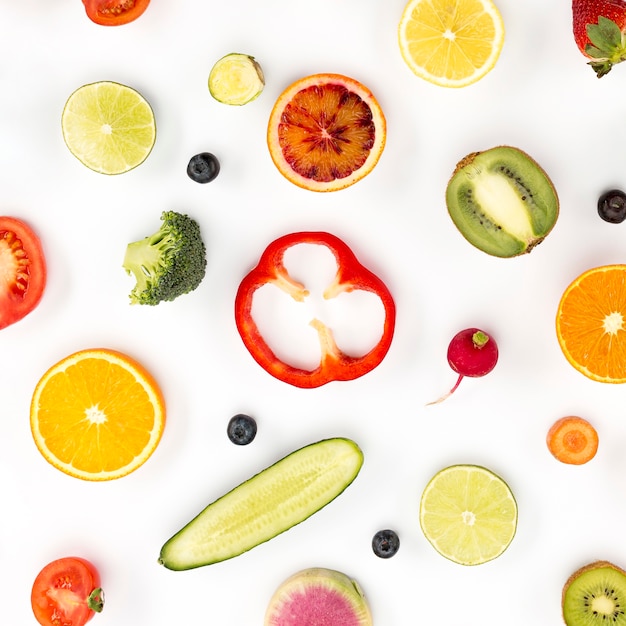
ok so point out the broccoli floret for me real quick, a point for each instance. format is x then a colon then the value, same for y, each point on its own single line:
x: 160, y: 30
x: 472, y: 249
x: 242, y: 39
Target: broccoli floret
x: 169, y: 263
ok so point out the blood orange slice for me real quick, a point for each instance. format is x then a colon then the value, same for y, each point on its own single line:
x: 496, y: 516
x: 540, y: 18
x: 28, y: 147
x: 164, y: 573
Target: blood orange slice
x: 326, y: 132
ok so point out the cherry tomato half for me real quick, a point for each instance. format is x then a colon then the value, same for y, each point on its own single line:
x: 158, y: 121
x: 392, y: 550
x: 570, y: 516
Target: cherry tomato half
x: 67, y: 591
x: 114, y: 12
x: 22, y: 270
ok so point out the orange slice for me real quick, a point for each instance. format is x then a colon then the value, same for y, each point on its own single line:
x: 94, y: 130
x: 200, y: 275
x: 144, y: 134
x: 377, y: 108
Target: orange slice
x: 97, y: 415
x: 326, y: 132
x: 591, y: 323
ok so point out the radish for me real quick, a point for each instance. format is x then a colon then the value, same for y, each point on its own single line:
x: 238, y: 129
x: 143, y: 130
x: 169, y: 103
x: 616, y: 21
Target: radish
x: 318, y: 596
x: 472, y: 352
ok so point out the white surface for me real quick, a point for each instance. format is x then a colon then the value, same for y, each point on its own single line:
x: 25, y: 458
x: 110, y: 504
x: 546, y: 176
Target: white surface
x: 541, y: 97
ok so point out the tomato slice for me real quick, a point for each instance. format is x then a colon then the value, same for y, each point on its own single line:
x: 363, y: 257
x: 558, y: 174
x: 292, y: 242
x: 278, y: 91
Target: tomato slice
x: 114, y: 12
x: 67, y: 593
x: 22, y: 270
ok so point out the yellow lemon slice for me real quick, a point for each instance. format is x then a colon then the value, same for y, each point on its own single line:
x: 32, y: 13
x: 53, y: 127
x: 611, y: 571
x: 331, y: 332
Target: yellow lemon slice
x: 452, y: 43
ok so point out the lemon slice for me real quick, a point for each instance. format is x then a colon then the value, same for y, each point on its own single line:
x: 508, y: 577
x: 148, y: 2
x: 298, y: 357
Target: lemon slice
x: 452, y: 43
x: 108, y: 127
x: 468, y: 514
x: 236, y: 79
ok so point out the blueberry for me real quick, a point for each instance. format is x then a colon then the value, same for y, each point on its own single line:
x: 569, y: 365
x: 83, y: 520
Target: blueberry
x: 612, y: 206
x: 385, y: 543
x: 203, y: 167
x: 241, y: 429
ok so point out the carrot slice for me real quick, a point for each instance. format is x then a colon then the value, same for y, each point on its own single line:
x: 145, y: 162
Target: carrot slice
x: 572, y: 440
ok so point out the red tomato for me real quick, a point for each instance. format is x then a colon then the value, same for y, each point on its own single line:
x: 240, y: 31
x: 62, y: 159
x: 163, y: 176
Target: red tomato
x: 67, y: 593
x: 114, y: 12
x: 22, y: 270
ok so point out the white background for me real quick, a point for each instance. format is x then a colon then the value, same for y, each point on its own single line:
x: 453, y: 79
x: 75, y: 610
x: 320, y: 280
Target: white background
x: 541, y: 97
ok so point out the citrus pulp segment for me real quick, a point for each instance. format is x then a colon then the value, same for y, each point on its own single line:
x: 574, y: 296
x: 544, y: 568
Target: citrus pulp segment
x: 326, y: 132
x: 108, y: 127
x: 451, y: 43
x: 97, y: 415
x: 590, y: 323
x: 236, y: 79
x: 468, y: 514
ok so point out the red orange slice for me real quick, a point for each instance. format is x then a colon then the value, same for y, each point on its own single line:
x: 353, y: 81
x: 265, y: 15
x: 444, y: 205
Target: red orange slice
x: 326, y: 132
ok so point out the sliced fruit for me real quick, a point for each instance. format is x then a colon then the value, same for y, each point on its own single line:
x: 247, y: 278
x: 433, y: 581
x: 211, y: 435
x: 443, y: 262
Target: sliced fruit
x: 321, y: 597
x: 502, y: 201
x: 67, y: 592
x: 595, y: 594
x: 572, y: 440
x: 265, y: 505
x: 114, y: 12
x: 23, y: 270
x: 236, y: 79
x: 468, y: 514
x: 326, y: 132
x: 97, y: 415
x: 451, y: 43
x: 108, y: 127
x: 590, y: 321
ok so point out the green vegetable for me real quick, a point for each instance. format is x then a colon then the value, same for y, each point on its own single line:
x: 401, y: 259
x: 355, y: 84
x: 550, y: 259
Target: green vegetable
x: 169, y: 263
x: 269, y: 503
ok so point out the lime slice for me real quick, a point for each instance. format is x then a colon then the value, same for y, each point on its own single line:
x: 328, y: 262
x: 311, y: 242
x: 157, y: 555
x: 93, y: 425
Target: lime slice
x: 108, y: 127
x: 468, y: 514
x: 236, y: 79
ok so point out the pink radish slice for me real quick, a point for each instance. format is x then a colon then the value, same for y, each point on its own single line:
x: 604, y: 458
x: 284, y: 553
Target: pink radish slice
x: 318, y: 597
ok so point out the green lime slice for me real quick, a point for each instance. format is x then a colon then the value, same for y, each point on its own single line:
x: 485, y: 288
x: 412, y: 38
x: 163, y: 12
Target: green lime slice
x: 236, y: 79
x: 468, y: 514
x: 108, y: 127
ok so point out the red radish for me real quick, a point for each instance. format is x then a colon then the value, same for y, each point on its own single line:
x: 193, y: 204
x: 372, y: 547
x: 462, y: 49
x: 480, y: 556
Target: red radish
x: 472, y: 352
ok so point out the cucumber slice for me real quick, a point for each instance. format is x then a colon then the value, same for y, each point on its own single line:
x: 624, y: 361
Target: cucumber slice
x: 265, y: 505
x: 236, y: 79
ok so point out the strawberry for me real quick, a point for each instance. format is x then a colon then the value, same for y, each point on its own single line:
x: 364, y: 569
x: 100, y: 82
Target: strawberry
x: 600, y: 32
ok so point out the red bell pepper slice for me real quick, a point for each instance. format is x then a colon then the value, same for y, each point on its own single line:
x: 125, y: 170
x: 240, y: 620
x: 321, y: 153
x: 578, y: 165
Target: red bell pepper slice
x: 350, y: 276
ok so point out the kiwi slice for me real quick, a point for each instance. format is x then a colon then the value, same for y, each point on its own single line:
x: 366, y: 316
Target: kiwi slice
x: 595, y: 594
x: 502, y: 201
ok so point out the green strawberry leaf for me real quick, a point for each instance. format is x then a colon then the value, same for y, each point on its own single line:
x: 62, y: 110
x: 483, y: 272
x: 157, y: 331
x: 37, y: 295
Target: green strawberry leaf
x: 607, y: 45
x: 610, y: 30
x: 594, y: 52
x: 605, y: 35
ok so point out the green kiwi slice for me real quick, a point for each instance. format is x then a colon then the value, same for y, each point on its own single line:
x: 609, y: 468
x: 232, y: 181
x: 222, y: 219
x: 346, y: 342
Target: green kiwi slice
x: 502, y: 201
x: 595, y: 594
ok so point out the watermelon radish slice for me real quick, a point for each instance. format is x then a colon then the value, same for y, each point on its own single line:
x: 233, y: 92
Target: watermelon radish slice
x: 318, y: 597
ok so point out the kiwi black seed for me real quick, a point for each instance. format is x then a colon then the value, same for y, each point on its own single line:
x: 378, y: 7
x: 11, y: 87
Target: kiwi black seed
x: 502, y: 201
x: 595, y: 594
